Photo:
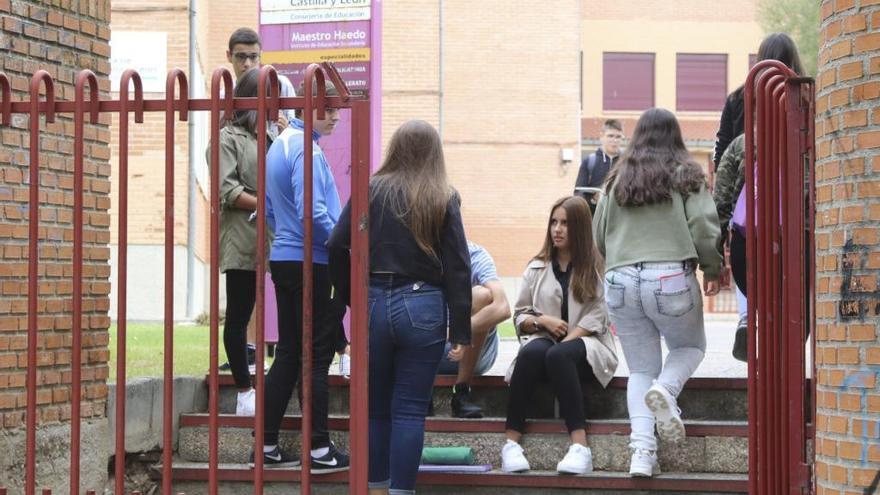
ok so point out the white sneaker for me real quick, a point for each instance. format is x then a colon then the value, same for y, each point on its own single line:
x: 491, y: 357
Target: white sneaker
x: 246, y: 403
x: 666, y: 411
x: 578, y: 460
x: 512, y: 458
x: 345, y: 365
x: 644, y: 463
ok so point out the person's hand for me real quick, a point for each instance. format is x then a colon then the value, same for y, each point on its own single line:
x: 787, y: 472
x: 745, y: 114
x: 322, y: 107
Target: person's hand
x: 281, y: 122
x: 558, y: 328
x: 456, y: 353
x: 711, y: 287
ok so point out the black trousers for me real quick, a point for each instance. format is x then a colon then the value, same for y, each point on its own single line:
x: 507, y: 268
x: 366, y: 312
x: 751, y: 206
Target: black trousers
x: 285, y: 371
x: 241, y: 294
x: 565, y: 366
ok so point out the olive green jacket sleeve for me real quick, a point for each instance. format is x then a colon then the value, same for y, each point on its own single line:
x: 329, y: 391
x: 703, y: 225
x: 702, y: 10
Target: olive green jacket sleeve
x: 702, y: 220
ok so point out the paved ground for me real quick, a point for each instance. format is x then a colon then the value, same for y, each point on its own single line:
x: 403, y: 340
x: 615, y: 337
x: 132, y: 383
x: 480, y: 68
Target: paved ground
x: 717, y: 363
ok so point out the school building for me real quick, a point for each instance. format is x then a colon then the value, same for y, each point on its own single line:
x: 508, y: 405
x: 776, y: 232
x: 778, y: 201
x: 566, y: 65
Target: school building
x: 519, y: 95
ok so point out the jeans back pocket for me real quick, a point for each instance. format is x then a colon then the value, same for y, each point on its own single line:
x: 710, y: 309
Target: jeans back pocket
x: 427, y: 310
x: 677, y: 303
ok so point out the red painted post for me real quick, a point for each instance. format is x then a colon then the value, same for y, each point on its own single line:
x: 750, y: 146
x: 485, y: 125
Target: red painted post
x: 129, y: 76
x: 5, y: 103
x: 265, y: 110
x: 178, y: 78
x: 40, y: 77
x: 360, y: 261
x: 220, y: 75
x: 313, y: 75
x: 84, y: 77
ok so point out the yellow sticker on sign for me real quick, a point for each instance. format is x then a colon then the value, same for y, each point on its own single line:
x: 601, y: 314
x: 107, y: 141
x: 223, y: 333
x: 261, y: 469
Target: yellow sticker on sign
x: 316, y: 56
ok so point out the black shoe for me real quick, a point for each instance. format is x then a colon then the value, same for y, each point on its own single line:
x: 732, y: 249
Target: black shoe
x: 276, y: 459
x: 741, y: 341
x: 251, y: 359
x: 462, y: 405
x: 430, y: 412
x: 331, y: 462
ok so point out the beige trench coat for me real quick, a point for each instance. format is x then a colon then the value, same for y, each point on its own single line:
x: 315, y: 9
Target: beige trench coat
x: 540, y: 293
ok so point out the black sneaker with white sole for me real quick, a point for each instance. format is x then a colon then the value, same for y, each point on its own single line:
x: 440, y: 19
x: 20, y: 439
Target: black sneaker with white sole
x: 331, y: 462
x: 276, y: 459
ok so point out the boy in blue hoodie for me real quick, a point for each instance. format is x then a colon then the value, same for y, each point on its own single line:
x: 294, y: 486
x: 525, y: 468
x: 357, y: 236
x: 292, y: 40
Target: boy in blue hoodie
x: 284, y: 214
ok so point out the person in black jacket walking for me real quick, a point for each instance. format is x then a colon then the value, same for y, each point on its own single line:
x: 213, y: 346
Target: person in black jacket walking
x: 595, y: 167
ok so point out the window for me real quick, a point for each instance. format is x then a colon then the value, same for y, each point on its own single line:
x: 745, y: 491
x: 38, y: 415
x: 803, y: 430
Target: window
x: 627, y: 81
x: 701, y: 82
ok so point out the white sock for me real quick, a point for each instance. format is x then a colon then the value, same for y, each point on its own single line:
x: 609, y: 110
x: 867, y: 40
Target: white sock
x: 320, y: 452
x: 269, y: 448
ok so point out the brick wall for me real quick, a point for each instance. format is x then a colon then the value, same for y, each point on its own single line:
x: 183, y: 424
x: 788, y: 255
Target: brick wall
x: 848, y: 248
x: 60, y: 40
x: 677, y: 10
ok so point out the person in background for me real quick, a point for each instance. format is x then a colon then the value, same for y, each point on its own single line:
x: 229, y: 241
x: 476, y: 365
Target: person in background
x: 285, y: 215
x: 238, y: 236
x: 595, y: 167
x: 654, y: 223
x: 419, y: 276
x: 730, y: 176
x: 490, y: 307
x: 562, y: 325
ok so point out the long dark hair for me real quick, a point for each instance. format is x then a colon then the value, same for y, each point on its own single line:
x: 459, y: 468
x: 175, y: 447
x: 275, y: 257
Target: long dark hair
x: 246, y: 87
x: 776, y: 46
x: 586, y: 262
x: 655, y: 163
x: 412, y: 182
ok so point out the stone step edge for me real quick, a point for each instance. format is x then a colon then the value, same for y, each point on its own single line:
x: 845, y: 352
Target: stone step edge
x: 608, y: 480
x: 488, y: 381
x: 483, y: 425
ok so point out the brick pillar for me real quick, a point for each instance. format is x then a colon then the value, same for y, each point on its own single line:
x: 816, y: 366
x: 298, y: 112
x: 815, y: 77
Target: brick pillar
x: 62, y: 40
x: 848, y: 252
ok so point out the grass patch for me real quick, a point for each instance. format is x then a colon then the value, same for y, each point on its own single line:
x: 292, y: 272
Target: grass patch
x: 145, y: 350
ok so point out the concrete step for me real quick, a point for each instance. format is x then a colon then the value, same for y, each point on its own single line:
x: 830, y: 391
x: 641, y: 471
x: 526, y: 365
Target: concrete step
x: 237, y: 479
x: 711, y: 446
x: 717, y: 399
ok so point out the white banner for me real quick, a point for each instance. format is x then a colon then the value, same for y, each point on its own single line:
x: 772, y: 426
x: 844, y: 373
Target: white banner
x: 314, y: 15
x: 268, y: 5
x: 146, y: 52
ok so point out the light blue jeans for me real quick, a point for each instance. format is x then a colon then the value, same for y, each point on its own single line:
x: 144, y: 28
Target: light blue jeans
x: 642, y: 313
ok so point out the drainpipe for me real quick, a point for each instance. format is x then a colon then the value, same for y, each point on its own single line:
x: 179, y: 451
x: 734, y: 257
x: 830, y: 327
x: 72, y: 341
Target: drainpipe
x: 440, y: 79
x: 193, y: 189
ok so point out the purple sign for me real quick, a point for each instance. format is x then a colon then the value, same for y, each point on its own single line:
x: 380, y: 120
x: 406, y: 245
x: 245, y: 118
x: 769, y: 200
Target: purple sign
x: 321, y: 36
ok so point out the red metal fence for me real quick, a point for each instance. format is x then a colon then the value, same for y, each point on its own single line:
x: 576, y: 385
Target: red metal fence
x: 779, y: 123
x: 267, y: 105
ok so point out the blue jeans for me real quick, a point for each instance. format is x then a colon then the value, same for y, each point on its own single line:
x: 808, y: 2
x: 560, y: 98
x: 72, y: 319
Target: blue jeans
x: 407, y: 335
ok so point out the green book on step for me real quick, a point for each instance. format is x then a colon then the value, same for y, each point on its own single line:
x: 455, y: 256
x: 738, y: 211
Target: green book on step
x: 448, y: 456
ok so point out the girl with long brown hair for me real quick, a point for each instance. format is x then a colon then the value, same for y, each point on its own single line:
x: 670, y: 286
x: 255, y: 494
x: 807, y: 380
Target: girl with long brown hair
x: 419, y: 266
x: 655, y: 222
x: 562, y: 325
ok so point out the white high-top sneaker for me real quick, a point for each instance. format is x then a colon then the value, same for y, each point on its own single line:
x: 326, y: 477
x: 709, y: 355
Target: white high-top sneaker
x: 644, y: 463
x: 512, y: 458
x: 578, y: 460
x: 666, y: 411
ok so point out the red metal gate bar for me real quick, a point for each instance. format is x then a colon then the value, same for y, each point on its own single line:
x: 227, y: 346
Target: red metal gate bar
x: 314, y: 75
x: 264, y: 111
x: 33, y: 261
x: 219, y: 75
x: 360, y: 261
x: 124, y: 106
x: 776, y: 278
x: 122, y: 264
x: 174, y: 76
x: 82, y: 79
